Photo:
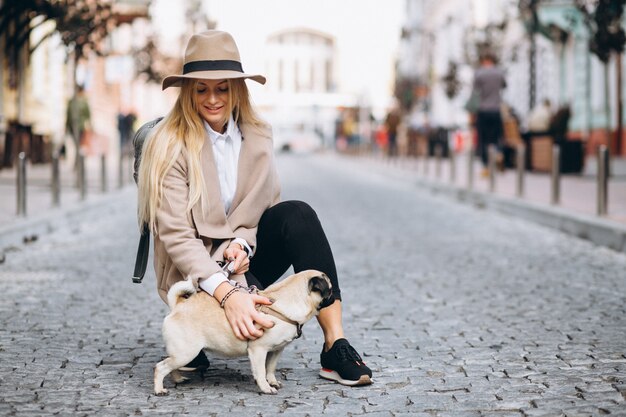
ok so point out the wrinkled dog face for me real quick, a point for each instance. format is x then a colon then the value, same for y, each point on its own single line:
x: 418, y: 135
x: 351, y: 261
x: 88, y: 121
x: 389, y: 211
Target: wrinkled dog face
x: 322, y: 285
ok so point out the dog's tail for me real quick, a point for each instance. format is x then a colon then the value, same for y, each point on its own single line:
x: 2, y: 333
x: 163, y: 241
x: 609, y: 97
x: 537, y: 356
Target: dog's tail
x: 180, y: 290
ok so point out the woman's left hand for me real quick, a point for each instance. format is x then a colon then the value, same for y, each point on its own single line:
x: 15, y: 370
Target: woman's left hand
x: 234, y: 252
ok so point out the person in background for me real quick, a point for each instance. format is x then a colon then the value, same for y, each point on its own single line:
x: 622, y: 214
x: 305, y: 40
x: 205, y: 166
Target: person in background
x: 489, y: 81
x: 540, y: 117
x: 392, y: 121
x: 78, y: 120
x: 125, y: 128
x: 210, y: 194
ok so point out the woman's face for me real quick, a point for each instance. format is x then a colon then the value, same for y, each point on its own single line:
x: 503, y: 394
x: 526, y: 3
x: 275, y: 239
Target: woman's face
x: 211, y: 98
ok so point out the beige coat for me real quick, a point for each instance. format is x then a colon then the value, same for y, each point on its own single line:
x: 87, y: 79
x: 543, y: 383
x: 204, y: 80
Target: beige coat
x: 191, y: 243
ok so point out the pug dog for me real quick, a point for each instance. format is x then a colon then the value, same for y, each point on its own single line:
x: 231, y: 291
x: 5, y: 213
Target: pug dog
x: 196, y: 321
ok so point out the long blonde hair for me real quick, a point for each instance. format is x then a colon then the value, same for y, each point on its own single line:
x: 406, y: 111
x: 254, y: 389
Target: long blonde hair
x: 182, y: 131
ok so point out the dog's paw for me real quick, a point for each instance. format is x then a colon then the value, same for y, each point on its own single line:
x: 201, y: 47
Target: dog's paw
x: 275, y: 383
x: 161, y: 393
x: 180, y: 379
x: 269, y: 390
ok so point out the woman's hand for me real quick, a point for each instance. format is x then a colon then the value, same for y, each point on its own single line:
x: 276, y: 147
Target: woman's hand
x: 241, y: 313
x: 234, y: 252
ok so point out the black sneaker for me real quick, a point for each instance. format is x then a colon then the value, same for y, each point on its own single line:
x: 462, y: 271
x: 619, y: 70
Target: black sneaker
x: 344, y: 365
x: 200, y: 363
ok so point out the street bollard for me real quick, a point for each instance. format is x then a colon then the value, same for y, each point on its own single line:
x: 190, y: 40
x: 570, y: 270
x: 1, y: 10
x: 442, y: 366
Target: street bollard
x: 492, y: 154
x: 56, y: 181
x: 470, y: 167
x: 82, y: 176
x: 21, y: 184
x: 103, y: 173
x: 452, y: 157
x: 131, y: 168
x: 555, y: 178
x: 520, y: 166
x: 120, y: 171
x: 438, y: 153
x: 426, y: 161
x: 603, y: 178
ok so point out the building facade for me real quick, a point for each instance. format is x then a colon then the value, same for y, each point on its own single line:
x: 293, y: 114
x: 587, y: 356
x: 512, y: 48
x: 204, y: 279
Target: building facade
x: 34, y: 98
x: 442, y: 35
x: 301, y: 99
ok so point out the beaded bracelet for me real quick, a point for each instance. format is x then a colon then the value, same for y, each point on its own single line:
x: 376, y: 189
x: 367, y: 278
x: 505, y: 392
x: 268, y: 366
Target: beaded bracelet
x: 228, y: 294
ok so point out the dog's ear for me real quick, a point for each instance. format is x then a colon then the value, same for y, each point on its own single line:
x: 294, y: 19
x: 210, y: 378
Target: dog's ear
x: 321, y: 284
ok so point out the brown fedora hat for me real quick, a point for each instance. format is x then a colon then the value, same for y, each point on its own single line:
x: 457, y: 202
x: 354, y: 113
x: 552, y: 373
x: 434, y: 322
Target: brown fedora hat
x: 211, y: 55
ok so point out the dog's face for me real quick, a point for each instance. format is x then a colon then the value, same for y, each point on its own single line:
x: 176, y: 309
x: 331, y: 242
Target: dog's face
x: 322, y: 285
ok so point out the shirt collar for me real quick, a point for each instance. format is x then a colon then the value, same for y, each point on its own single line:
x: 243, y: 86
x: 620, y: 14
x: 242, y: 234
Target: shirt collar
x: 231, y: 129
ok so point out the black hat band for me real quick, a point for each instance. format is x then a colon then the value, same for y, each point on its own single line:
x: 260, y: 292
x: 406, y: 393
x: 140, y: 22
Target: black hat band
x: 218, y: 65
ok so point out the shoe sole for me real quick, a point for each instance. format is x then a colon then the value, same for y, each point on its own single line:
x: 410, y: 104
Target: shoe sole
x: 334, y: 376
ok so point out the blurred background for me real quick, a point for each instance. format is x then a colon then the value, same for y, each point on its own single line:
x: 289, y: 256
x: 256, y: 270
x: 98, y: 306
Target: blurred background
x: 335, y: 69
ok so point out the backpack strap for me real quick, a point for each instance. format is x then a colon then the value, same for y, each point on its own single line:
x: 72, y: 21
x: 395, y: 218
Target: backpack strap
x: 143, y: 250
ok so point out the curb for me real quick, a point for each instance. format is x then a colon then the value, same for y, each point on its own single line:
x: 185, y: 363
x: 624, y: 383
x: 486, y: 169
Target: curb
x: 25, y: 230
x: 598, y: 230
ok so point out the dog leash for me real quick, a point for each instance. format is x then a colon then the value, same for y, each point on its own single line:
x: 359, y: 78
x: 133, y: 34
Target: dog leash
x: 269, y: 310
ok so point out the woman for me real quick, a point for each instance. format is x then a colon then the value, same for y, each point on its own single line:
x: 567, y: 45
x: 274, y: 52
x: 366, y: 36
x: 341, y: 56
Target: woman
x: 209, y: 192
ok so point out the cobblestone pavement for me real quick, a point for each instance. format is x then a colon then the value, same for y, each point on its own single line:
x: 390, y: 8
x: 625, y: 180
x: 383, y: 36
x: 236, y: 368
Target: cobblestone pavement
x: 459, y: 312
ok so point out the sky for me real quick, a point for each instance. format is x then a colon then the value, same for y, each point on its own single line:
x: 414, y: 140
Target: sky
x: 367, y: 33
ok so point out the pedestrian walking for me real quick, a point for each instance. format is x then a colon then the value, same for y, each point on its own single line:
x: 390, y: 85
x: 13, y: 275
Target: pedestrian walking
x: 78, y: 120
x: 392, y: 121
x: 125, y: 128
x: 489, y: 80
x: 209, y: 192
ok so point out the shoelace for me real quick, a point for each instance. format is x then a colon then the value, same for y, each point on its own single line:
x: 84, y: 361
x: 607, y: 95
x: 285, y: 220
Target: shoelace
x: 348, y: 353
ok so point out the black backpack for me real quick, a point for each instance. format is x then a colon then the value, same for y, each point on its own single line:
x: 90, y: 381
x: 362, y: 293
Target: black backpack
x: 143, y: 250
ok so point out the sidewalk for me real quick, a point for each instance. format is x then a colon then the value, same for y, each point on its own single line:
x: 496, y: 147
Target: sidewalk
x: 575, y: 213
x: 41, y: 215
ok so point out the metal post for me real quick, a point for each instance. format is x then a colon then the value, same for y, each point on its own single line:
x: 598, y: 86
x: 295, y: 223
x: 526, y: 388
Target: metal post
x: 56, y: 181
x: 103, y: 173
x: 520, y: 165
x: 470, y: 167
x: 131, y: 167
x: 603, y: 177
x: 82, y: 180
x: 556, y: 175
x: 21, y: 184
x: 452, y: 157
x: 438, y: 152
x: 120, y: 170
x: 492, y: 153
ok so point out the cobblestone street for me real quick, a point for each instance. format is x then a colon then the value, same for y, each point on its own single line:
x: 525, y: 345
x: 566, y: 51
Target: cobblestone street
x: 458, y: 311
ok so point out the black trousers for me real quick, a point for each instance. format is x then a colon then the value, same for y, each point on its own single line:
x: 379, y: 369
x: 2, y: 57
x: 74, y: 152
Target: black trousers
x: 489, y: 126
x: 290, y: 234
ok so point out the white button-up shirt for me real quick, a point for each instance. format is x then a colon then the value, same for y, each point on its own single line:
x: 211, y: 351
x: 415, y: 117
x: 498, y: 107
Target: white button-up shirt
x: 226, y: 148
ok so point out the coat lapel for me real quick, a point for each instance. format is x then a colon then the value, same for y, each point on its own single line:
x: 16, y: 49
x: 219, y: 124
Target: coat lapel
x: 212, y: 224
x: 242, y: 165
x: 255, y: 149
x: 252, y: 176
